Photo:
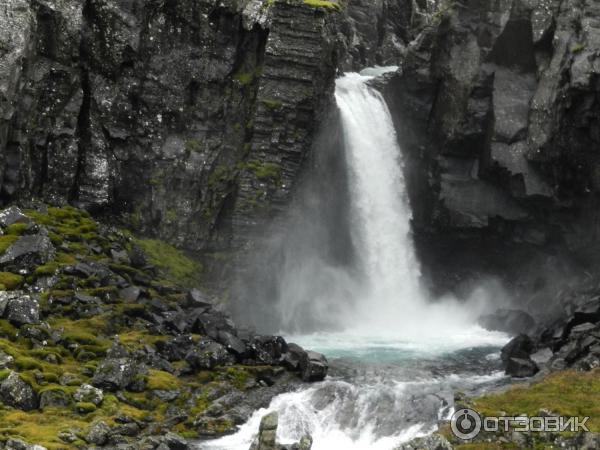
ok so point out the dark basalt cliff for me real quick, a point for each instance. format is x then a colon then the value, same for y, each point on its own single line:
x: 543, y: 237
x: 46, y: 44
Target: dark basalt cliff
x: 189, y: 119
x: 497, y: 107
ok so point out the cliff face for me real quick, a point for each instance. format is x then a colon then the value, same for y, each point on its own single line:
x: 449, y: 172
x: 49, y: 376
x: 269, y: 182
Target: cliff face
x: 497, y: 106
x: 189, y: 119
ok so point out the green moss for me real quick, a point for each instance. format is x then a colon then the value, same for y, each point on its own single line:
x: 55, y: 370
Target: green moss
x: 245, y: 78
x: 578, y: 48
x: 17, y: 229
x: 221, y: 175
x: 173, y: 262
x: 162, y: 381
x: 10, y: 280
x: 193, y: 145
x: 6, y: 241
x: 264, y: 171
x: 332, y: 6
x: 271, y: 103
x: 46, y: 270
x: 27, y: 363
x: 85, y: 407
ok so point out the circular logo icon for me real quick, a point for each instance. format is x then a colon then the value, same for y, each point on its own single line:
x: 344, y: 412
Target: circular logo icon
x: 465, y: 424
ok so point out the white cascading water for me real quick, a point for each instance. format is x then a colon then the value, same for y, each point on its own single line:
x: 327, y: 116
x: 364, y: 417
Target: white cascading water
x: 380, y: 211
x: 399, y: 357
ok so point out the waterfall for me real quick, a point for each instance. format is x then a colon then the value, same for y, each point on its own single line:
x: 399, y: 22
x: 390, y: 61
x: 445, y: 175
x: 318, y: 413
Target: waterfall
x: 380, y: 211
x: 395, y: 357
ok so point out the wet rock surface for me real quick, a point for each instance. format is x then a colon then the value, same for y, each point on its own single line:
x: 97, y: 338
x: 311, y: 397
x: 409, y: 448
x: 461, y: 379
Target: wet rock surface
x: 496, y: 108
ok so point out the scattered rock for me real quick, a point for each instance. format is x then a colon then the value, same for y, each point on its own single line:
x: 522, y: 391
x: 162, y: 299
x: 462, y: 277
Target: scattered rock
x: 89, y: 394
x: 98, y: 433
x: 54, y: 398
x: 114, y: 374
x: 207, y: 355
x: 313, y: 366
x: 15, y: 392
x: 521, y: 368
x: 12, y: 215
x: 27, y: 252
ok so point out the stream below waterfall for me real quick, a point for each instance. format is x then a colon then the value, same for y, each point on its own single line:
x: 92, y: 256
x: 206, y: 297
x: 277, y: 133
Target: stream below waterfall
x: 401, y: 355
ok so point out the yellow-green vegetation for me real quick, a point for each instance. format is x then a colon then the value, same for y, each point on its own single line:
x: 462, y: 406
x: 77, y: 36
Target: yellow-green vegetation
x: 162, y: 381
x: 193, y: 145
x: 220, y: 176
x: 173, y: 262
x: 6, y: 241
x: 244, y: 78
x: 264, y: 171
x: 567, y: 393
x: 577, y: 48
x: 10, y: 281
x: 16, y: 229
x: 272, y: 103
x: 332, y: 6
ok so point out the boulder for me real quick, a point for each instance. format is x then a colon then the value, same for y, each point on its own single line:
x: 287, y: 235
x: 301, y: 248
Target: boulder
x: 27, y: 252
x: 54, y: 398
x: 267, y: 436
x: 207, y: 355
x: 21, y: 309
x: 521, y: 368
x: 231, y: 343
x: 98, y: 433
x: 511, y: 321
x: 114, y: 374
x: 520, y: 346
x: 291, y: 359
x: 16, y: 392
x: 6, y: 361
x: 197, y: 299
x: 313, y: 366
x: 267, y: 349
x: 12, y: 215
x: 89, y: 394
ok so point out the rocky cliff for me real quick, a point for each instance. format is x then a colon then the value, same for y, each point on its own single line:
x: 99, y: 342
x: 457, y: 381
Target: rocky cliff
x: 497, y: 107
x: 188, y: 120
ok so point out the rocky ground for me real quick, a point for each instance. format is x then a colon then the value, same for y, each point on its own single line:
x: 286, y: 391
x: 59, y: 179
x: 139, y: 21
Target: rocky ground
x: 104, y: 342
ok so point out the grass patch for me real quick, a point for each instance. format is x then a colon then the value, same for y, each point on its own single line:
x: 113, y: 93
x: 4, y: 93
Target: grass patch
x: 264, y: 171
x: 10, y: 280
x: 162, y: 381
x: 331, y: 6
x: 177, y: 267
x: 6, y: 241
x: 567, y: 393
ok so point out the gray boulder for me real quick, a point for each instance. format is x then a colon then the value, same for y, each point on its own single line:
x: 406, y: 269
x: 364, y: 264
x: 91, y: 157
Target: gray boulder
x: 54, y: 398
x: 114, y: 374
x: 207, y: 355
x: 12, y: 215
x: 521, y: 368
x: 98, y: 433
x: 313, y: 366
x: 27, y: 252
x: 15, y: 392
x: 21, y: 309
x: 6, y: 361
x: 89, y: 394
